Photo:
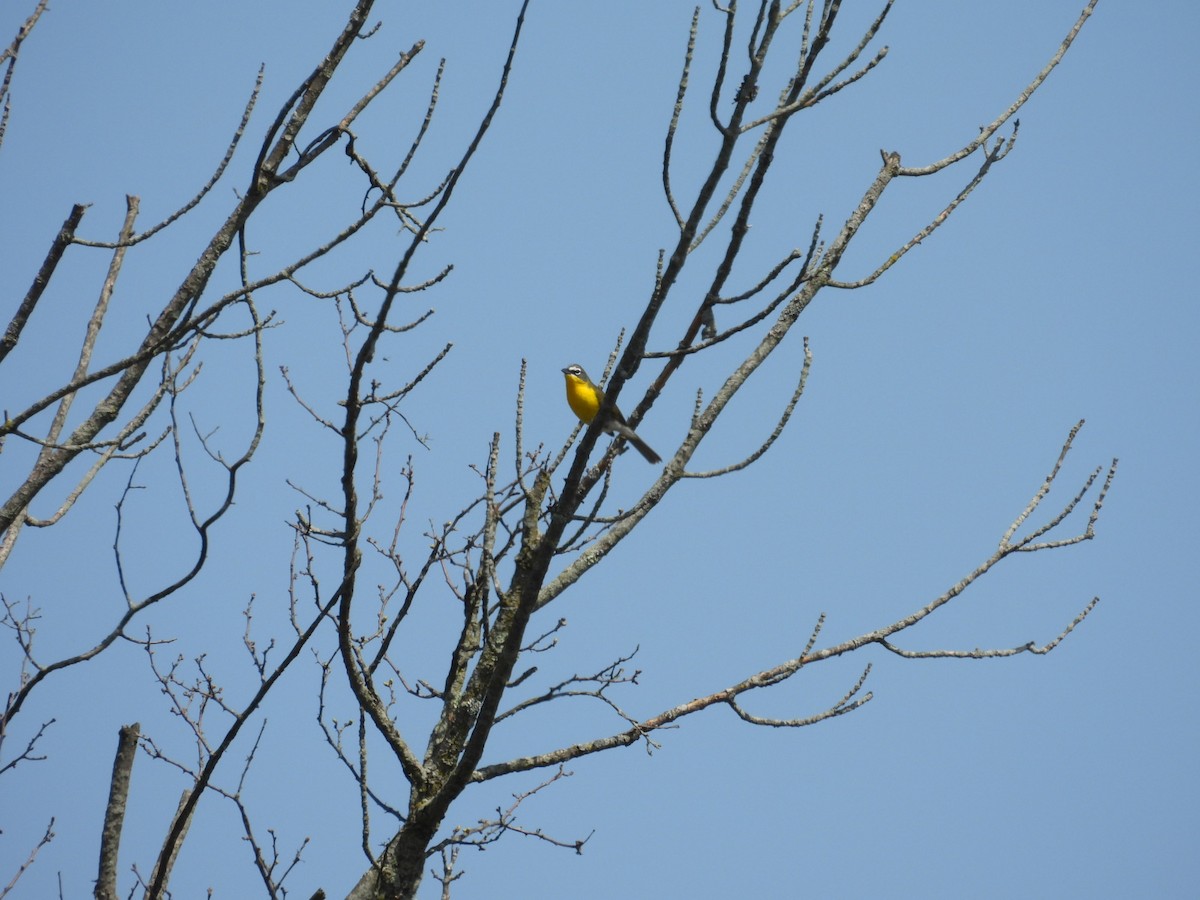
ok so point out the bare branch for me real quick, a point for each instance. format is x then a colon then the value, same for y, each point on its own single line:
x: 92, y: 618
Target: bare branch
x: 678, y: 110
x: 848, y: 703
x: 779, y: 426
x: 29, y: 754
x: 45, y: 839
x: 131, y: 239
x: 8, y: 59
x: 114, y: 815
x: 986, y: 132
x: 66, y: 235
x: 179, y: 826
x: 997, y: 153
x: 1030, y: 647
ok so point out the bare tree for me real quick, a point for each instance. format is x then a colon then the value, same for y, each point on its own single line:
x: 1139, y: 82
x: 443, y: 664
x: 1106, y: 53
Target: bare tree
x: 541, y: 519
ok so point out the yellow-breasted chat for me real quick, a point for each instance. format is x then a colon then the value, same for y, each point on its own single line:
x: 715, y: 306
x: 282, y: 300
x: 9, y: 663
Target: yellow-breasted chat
x: 585, y: 399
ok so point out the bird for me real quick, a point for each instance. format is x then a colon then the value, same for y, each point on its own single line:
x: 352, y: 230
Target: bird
x: 585, y: 400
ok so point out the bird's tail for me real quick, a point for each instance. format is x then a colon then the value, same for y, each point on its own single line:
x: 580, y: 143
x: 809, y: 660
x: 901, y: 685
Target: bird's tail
x: 638, y: 444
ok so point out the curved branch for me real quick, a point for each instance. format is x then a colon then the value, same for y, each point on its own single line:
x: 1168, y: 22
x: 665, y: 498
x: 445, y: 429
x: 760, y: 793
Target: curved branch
x: 994, y: 155
x: 881, y: 636
x: 64, y: 238
x: 986, y: 132
x: 779, y: 426
x: 675, y: 114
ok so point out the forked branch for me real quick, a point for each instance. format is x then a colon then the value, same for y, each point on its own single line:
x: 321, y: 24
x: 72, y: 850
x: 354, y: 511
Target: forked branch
x: 851, y: 701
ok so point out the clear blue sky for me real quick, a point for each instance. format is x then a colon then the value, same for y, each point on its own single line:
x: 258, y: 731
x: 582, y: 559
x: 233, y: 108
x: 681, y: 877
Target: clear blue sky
x: 937, y: 402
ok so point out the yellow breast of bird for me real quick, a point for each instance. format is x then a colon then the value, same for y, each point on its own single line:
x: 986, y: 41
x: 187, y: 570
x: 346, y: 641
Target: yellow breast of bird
x: 584, y: 399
